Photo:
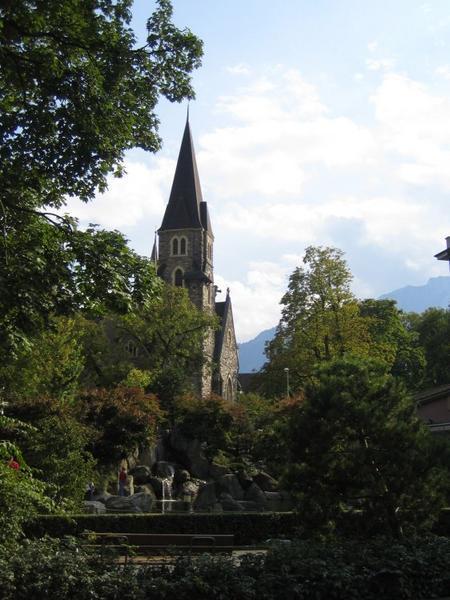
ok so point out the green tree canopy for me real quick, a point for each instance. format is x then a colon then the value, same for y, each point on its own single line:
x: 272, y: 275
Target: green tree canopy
x: 356, y: 441
x: 320, y: 320
x: 433, y: 330
x: 76, y: 92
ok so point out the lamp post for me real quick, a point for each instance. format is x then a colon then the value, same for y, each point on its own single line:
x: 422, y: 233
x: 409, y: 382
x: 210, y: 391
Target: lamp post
x: 286, y: 370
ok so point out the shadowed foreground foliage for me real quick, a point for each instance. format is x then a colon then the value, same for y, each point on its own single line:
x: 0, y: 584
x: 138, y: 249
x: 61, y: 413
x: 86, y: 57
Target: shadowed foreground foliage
x: 416, y: 569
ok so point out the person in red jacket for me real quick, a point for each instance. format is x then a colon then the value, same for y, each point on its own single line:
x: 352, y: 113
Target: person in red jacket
x: 122, y: 481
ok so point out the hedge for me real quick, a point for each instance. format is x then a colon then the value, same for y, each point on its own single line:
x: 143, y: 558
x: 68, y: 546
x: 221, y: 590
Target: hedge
x: 248, y: 528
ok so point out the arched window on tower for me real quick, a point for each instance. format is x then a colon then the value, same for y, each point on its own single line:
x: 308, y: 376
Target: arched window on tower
x: 183, y: 246
x: 178, y: 278
x: 175, y: 246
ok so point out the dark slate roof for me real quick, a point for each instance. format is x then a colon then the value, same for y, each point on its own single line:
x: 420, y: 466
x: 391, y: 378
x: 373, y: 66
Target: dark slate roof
x: 183, y: 209
x: 431, y: 394
x: 204, y: 216
x: 222, y: 309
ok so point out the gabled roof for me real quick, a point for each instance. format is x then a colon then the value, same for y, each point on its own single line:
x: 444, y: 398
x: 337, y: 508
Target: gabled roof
x: 183, y: 209
x: 223, y: 311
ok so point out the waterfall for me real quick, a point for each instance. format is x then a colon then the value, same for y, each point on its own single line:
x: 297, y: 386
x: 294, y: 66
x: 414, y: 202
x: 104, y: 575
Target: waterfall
x: 167, y: 486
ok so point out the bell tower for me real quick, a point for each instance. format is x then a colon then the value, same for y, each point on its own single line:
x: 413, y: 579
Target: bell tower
x: 186, y: 240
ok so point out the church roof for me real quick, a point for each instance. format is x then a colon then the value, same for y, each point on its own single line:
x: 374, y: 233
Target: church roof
x: 184, y: 208
x: 223, y: 310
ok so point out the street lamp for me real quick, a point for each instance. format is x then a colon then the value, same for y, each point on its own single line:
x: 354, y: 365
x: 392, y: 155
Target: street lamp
x: 286, y: 370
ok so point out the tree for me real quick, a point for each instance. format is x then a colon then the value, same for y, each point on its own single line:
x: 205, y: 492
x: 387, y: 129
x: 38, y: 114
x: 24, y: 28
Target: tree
x: 356, y: 441
x: 121, y: 419
x: 169, y: 334
x: 47, y: 271
x: 433, y: 330
x: 320, y: 320
x: 75, y: 94
x: 393, y: 341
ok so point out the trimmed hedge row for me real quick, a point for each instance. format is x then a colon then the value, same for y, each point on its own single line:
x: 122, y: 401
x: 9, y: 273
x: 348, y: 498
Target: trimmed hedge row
x: 248, y: 528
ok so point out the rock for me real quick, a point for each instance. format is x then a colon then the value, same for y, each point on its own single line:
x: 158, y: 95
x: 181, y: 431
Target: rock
x: 147, y: 456
x: 217, y: 471
x: 230, y: 484
x: 244, y: 479
x: 94, y: 507
x: 229, y: 503
x: 141, y: 474
x: 265, y: 482
x: 255, y: 494
x: 145, y: 489
x: 279, y: 501
x: 189, y: 488
x: 136, y: 503
x: 102, y: 496
x: 206, y: 498
x: 249, y: 506
x: 189, y: 453
x: 156, y: 484
x: 164, y: 470
x: 181, y: 475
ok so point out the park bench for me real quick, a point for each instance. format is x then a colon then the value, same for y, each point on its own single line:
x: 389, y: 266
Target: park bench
x: 158, y: 544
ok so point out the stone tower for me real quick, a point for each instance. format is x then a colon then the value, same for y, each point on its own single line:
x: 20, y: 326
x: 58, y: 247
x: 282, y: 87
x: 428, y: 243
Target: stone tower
x: 185, y: 258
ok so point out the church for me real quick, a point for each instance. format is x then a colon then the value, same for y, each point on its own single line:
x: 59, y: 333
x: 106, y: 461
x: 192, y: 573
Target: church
x: 184, y: 253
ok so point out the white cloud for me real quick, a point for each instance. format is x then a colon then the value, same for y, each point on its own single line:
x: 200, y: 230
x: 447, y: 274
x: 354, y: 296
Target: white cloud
x: 443, y: 71
x: 256, y: 300
x: 380, y: 64
x: 239, y: 69
x: 415, y: 124
x: 137, y: 196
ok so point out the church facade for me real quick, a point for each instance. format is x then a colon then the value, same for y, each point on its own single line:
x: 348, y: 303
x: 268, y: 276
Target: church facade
x: 184, y: 252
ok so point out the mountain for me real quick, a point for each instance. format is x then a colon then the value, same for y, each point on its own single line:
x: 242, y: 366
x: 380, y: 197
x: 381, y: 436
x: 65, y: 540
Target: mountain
x: 251, y: 354
x: 417, y: 298
x: 411, y: 298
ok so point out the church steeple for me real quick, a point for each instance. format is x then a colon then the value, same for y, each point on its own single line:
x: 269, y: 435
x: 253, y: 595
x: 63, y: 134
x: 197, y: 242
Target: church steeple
x: 183, y: 210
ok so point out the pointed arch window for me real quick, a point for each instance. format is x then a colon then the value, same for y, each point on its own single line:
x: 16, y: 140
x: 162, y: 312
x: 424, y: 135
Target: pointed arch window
x: 175, y: 246
x: 183, y: 246
x: 178, y: 278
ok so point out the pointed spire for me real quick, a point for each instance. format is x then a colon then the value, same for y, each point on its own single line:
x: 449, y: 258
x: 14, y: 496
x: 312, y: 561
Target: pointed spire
x: 154, y: 255
x: 183, y: 209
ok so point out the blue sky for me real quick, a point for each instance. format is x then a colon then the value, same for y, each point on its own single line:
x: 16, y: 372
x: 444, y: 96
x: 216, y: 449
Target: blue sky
x: 316, y: 122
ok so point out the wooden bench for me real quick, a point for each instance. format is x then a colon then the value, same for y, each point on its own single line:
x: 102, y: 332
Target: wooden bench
x: 150, y: 544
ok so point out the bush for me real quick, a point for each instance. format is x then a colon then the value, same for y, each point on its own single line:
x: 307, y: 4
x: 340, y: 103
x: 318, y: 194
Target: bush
x: 374, y: 570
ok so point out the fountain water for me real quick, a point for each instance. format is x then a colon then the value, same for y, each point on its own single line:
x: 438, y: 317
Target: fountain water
x: 167, y: 486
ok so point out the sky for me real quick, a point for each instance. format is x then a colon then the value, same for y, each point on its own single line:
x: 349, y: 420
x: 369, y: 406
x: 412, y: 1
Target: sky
x: 316, y: 122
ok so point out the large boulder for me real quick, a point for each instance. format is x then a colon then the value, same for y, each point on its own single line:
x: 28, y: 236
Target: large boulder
x: 146, y: 488
x: 229, y: 503
x: 206, y: 498
x: 217, y: 471
x: 102, y: 496
x: 189, y: 453
x: 255, y: 494
x: 245, y: 480
x: 142, y: 502
x: 141, y: 474
x: 94, y: 508
x: 230, y: 484
x: 265, y: 482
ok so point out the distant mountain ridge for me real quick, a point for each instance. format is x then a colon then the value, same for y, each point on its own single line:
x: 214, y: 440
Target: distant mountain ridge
x: 411, y: 298
x: 417, y: 298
